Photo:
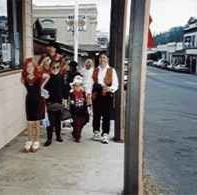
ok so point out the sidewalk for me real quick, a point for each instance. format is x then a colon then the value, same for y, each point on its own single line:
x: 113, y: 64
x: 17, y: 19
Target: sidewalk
x: 68, y: 168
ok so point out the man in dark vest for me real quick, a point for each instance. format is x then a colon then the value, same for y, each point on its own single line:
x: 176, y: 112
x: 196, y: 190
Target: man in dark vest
x: 105, y: 84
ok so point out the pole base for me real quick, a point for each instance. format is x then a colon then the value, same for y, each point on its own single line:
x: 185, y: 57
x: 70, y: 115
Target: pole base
x: 118, y: 140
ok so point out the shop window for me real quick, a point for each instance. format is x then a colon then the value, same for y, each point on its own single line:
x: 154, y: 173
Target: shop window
x: 187, y: 41
x: 193, y: 41
x: 10, y: 34
x: 81, y: 23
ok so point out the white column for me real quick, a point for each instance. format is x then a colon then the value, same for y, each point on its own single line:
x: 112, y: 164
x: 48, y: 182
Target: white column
x: 76, y: 31
x: 27, y: 29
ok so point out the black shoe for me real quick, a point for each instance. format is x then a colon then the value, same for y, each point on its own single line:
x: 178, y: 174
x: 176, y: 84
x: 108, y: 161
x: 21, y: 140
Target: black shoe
x: 77, y: 140
x: 47, y: 143
x: 59, y: 139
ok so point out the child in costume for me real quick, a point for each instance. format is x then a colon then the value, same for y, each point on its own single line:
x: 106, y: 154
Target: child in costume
x: 78, y: 107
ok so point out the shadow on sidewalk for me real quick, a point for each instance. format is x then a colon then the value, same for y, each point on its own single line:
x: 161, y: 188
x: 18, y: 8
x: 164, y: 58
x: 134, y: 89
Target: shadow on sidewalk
x: 69, y: 168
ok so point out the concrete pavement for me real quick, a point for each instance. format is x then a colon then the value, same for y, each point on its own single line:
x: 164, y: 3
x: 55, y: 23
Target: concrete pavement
x: 68, y: 168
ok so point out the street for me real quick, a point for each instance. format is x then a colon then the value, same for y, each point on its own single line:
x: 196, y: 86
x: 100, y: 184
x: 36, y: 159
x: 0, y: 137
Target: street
x: 171, y: 131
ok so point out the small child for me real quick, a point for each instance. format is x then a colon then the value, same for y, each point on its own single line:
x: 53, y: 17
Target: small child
x: 78, y: 107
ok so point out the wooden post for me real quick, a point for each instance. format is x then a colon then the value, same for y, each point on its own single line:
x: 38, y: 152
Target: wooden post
x: 117, y: 54
x: 138, y: 35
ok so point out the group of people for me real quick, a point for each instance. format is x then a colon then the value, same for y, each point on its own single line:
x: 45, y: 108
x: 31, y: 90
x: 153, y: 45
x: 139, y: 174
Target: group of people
x: 54, y: 85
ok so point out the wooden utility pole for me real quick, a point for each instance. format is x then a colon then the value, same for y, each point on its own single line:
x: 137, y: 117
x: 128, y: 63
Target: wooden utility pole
x: 138, y: 34
x: 117, y: 54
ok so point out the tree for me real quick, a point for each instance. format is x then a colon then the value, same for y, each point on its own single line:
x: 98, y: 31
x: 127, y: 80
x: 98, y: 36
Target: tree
x: 175, y: 34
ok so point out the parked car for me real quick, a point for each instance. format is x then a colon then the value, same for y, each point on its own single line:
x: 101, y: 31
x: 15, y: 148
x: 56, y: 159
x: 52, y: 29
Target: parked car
x: 171, y: 66
x: 154, y: 63
x: 149, y: 62
x: 182, y: 68
x: 162, y: 63
x: 4, y: 66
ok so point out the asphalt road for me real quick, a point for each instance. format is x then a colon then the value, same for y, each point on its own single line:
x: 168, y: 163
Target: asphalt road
x: 171, y: 131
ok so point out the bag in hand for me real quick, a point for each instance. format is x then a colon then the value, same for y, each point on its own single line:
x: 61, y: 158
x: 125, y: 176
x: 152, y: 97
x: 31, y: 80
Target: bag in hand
x: 65, y: 114
x: 54, y: 107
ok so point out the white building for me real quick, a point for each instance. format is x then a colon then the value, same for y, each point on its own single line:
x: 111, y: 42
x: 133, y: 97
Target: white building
x: 190, y: 44
x: 170, y: 51
x: 61, y: 18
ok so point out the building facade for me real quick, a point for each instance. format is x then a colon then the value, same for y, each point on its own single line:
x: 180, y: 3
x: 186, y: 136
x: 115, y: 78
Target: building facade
x: 190, y: 44
x: 171, y: 51
x: 15, y: 45
x: 58, y: 23
x: 184, y: 52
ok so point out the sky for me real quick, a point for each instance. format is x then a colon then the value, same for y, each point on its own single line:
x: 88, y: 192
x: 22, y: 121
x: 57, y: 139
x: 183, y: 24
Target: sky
x: 165, y: 13
x: 170, y: 13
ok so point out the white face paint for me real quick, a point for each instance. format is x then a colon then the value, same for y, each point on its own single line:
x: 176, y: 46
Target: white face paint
x: 55, y: 69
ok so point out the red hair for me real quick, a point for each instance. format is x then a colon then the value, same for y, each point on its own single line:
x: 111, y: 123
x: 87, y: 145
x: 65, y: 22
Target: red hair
x: 37, y: 73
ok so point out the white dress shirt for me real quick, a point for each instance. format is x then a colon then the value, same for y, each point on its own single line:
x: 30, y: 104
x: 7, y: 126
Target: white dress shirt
x: 101, y: 76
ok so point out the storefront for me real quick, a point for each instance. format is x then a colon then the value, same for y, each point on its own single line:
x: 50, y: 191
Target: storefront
x: 190, y: 44
x: 191, y: 60
x: 15, y: 45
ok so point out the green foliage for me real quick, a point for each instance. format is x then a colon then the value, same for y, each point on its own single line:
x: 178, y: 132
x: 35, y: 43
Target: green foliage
x: 175, y: 34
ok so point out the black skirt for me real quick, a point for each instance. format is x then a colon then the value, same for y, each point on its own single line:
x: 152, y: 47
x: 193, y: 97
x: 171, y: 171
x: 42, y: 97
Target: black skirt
x: 35, y: 103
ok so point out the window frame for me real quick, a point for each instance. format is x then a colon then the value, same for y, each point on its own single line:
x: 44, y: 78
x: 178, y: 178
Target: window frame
x: 14, y: 37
